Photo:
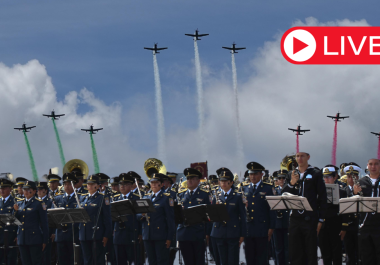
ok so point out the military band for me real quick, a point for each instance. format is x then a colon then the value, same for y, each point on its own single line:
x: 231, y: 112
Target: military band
x: 155, y: 238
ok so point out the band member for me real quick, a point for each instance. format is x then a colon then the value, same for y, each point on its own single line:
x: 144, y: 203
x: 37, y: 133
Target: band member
x: 64, y: 236
x: 6, y: 205
x: 369, y: 232
x: 157, y: 235
x: 245, y: 182
x: 54, y: 184
x: 126, y: 233
x: 280, y: 235
x: 33, y: 234
x: 167, y: 185
x: 98, y: 208
x: 229, y: 235
x: 214, y: 187
x: 42, y: 191
x: 333, y: 231
x: 115, y: 185
x: 20, y: 183
x: 192, y: 238
x: 79, y: 186
x: 260, y: 219
x: 352, y: 171
x: 304, y: 226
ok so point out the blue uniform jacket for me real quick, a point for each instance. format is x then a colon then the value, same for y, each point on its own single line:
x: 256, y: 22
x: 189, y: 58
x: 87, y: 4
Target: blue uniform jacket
x: 34, y: 229
x: 92, y: 205
x: 125, y: 232
x: 260, y: 217
x: 48, y: 204
x: 236, y: 226
x: 282, y: 218
x: 193, y: 232
x: 66, y: 233
x: 172, y: 193
x: 162, y: 225
x: 7, y: 208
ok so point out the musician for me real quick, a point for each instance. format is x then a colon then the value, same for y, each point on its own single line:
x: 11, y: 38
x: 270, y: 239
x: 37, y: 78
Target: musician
x: 304, y: 226
x: 192, y: 238
x: 64, y: 236
x: 214, y: 185
x: 20, y: 183
x: 333, y: 230
x: 42, y: 194
x: 33, y: 233
x: 246, y: 181
x: 115, y: 185
x: 280, y: 235
x: 168, y: 183
x: 54, y: 184
x: 260, y: 219
x: 157, y: 235
x: 6, y: 207
x: 97, y: 206
x: 352, y: 170
x: 80, y: 189
x: 126, y: 233
x: 229, y: 235
x: 134, y: 186
x: 369, y: 232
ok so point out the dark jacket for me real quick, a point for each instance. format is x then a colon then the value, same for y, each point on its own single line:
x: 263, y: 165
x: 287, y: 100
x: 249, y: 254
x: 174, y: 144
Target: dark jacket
x: 369, y: 219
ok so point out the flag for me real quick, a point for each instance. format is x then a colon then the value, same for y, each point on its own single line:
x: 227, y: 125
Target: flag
x: 201, y: 167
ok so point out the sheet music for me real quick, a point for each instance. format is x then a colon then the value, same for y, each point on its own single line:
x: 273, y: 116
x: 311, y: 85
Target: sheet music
x: 288, y: 201
x: 366, y: 204
x: 332, y: 191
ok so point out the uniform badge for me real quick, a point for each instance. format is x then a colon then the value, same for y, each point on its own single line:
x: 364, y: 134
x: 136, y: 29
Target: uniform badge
x: 93, y: 204
x: 171, y: 202
x: 107, y: 201
x: 29, y: 209
x: 199, y: 199
x: 262, y: 193
x: 44, y: 206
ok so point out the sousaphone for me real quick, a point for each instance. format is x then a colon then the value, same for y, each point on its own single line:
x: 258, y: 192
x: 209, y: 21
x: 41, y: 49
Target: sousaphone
x: 76, y: 165
x: 152, y: 166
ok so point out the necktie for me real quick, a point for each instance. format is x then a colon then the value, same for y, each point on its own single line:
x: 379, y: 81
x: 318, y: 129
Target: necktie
x: 154, y: 196
x: 125, y: 197
x: 191, y: 193
x: 68, y: 197
x: 254, y: 188
x: 225, y: 195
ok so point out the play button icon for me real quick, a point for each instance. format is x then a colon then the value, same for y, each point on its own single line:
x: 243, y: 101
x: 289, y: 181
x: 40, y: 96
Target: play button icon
x: 299, y: 45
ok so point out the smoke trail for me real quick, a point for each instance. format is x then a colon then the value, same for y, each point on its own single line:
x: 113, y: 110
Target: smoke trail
x: 298, y: 144
x: 378, y: 150
x: 59, y: 144
x: 160, y: 113
x: 335, y: 142
x: 94, y: 155
x: 240, y: 151
x: 31, y: 159
x: 198, y: 76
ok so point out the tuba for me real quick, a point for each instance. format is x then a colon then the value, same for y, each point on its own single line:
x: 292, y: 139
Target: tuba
x: 76, y: 164
x: 288, y: 163
x: 152, y: 166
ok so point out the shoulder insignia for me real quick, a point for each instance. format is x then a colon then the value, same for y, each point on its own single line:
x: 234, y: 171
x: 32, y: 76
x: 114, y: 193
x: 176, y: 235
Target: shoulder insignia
x: 268, y: 183
x: 246, y: 184
x: 39, y: 200
x: 173, y: 189
x: 19, y: 199
x: 101, y: 193
x: 117, y: 195
x: 167, y: 194
x: 137, y: 194
x: 204, y: 190
x: 182, y: 191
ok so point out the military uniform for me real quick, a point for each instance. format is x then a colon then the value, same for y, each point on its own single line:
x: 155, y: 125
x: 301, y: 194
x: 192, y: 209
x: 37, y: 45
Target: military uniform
x: 227, y: 234
x: 20, y: 182
x: 6, y: 207
x: 92, y: 204
x: 34, y: 230
x: 192, y: 238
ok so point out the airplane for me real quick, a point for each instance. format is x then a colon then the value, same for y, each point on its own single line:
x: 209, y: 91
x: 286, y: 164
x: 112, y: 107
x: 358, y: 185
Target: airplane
x: 377, y: 134
x: 155, y: 49
x: 298, y: 130
x: 24, y: 128
x: 53, y: 115
x: 337, y: 117
x: 233, y: 49
x: 196, y: 35
x: 92, y: 130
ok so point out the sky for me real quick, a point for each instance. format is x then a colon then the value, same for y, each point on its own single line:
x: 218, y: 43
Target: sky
x: 86, y: 59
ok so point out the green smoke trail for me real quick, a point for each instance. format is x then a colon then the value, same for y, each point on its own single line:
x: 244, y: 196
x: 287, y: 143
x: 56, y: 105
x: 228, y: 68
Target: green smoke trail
x: 94, y: 155
x: 31, y: 159
x: 59, y: 144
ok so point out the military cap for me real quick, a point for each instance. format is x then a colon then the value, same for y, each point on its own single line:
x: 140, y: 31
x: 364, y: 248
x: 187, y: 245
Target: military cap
x: 141, y: 181
x: 53, y: 177
x: 282, y: 173
x: 134, y: 175
x: 21, y: 181
x: 329, y: 170
x: 103, y: 177
x: 254, y: 167
x: 93, y: 179
x: 246, y: 174
x: 352, y: 168
x: 126, y: 178
x: 77, y: 173
x: 115, y: 181
x: 226, y: 175
x: 5, y: 183
x: 68, y: 177
x: 192, y: 172
x: 84, y: 183
x: 42, y: 185
x: 172, y: 176
x: 30, y: 184
x: 158, y: 177
x: 213, y: 178
x: 220, y: 170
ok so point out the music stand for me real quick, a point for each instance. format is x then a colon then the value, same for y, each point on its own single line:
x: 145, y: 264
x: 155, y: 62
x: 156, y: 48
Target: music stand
x: 205, y: 213
x: 288, y: 202
x: 69, y: 216
x: 332, y: 191
x: 6, y: 220
x: 178, y: 213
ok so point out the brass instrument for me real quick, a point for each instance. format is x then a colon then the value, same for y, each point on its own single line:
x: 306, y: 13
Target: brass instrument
x: 356, y: 180
x: 152, y: 166
x: 76, y: 164
x: 236, y: 179
x: 289, y: 163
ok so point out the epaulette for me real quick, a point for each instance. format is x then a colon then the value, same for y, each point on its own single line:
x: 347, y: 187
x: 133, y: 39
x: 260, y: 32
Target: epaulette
x: 101, y: 193
x: 245, y: 183
x: 39, y: 200
x: 85, y: 188
x: 167, y: 194
x: 61, y: 193
x: 181, y: 191
x: 84, y: 194
x: 114, y: 191
x: 204, y: 190
x: 173, y: 189
x: 276, y: 186
x: 116, y: 195
x: 138, y: 195
x: 19, y: 199
x: 268, y: 183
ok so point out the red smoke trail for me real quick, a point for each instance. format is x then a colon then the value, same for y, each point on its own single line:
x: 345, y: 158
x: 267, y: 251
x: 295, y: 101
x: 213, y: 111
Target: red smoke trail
x: 298, y: 144
x: 335, y: 142
x: 378, y: 150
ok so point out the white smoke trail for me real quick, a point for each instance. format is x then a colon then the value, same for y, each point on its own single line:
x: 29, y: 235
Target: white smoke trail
x: 198, y: 76
x: 239, y: 144
x: 160, y: 114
